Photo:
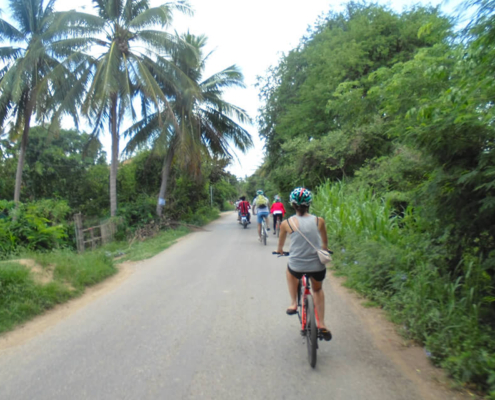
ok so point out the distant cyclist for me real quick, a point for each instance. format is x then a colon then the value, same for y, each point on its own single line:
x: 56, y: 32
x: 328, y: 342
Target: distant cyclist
x: 260, y: 203
x: 303, y: 258
x: 278, y: 211
x: 244, y: 208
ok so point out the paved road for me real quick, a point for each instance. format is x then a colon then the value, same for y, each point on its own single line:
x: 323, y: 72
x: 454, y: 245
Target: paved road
x: 203, y: 320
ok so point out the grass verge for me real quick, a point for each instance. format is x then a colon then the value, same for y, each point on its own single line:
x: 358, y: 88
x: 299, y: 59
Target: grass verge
x: 143, y: 250
x: 23, y: 295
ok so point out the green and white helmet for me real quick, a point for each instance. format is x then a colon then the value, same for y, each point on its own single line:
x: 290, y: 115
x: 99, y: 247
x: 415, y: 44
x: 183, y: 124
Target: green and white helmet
x: 259, y: 192
x: 301, y: 197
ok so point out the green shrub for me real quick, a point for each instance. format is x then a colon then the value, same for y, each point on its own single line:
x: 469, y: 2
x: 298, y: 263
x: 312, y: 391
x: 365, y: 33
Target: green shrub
x: 392, y: 258
x: 139, y: 212
x: 34, y: 226
x: 202, y: 216
x: 227, y: 206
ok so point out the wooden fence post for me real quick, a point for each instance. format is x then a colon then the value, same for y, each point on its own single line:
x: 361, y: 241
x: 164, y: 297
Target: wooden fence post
x: 93, y: 244
x: 78, y: 225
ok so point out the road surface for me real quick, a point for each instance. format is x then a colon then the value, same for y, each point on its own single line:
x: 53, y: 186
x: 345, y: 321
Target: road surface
x: 206, y: 319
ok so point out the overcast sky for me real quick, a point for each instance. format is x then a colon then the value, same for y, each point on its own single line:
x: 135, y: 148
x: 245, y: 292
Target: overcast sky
x: 252, y: 34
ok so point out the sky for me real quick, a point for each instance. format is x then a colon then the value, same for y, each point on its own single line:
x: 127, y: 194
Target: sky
x: 253, y: 35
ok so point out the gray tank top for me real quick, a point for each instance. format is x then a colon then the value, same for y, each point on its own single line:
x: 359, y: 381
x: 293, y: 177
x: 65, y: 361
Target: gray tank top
x: 303, y: 257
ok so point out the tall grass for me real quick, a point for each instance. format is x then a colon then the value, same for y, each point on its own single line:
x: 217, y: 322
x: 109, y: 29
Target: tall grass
x: 389, y: 256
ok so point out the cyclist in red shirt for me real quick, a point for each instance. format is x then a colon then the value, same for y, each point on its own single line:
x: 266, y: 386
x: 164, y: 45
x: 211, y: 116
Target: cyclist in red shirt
x: 244, y: 207
x: 278, y: 211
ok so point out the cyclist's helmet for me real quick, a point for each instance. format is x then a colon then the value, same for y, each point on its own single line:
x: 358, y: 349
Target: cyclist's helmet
x: 301, y: 197
x: 259, y: 192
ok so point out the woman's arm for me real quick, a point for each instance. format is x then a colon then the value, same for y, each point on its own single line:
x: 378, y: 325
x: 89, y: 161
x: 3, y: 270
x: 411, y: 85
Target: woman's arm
x: 323, y: 233
x: 284, y: 228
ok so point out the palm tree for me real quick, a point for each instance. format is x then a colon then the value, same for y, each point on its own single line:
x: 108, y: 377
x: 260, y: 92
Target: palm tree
x: 32, y: 80
x: 205, y: 119
x: 132, y: 61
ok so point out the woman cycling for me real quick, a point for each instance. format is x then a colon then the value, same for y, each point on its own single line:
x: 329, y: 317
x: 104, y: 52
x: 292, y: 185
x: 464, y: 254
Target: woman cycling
x: 303, y: 258
x: 278, y: 212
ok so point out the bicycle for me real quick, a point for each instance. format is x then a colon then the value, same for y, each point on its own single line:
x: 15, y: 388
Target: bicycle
x: 264, y: 233
x: 278, y: 223
x: 308, y: 316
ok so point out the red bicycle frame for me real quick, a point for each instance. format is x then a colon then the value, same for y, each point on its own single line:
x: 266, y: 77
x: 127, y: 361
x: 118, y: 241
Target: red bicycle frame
x: 303, y: 316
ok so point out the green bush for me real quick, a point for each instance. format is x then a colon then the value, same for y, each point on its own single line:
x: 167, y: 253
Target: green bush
x: 139, y: 212
x: 391, y: 257
x: 227, y: 206
x: 34, y: 226
x: 202, y: 216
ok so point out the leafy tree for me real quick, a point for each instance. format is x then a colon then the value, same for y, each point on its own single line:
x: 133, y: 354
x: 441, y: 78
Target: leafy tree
x: 206, y: 124
x: 310, y: 138
x: 32, y: 79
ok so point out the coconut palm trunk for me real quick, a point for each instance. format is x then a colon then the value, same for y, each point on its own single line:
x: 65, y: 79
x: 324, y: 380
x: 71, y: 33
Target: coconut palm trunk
x: 167, y: 164
x: 114, y: 129
x: 24, y: 142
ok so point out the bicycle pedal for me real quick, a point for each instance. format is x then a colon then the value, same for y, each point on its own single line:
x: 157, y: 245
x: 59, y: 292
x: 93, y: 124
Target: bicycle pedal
x: 303, y: 332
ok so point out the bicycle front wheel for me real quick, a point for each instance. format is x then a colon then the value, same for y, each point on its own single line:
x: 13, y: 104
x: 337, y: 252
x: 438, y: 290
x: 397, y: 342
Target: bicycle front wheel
x: 311, y: 330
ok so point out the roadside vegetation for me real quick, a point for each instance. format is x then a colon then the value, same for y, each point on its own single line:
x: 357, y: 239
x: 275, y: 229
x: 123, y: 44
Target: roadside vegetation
x: 117, y: 64
x: 45, y: 280
x: 33, y: 282
x: 388, y: 117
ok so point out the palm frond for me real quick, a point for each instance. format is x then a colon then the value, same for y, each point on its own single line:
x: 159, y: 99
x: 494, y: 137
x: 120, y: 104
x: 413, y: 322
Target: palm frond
x: 182, y: 6
x: 228, y: 78
x: 9, y: 54
x: 10, y: 33
x: 161, y: 16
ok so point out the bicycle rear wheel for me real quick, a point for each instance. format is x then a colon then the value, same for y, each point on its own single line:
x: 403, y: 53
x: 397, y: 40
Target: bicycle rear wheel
x: 263, y: 231
x: 311, y: 330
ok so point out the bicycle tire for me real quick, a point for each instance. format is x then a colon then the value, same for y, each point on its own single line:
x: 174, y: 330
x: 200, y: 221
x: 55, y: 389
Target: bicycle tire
x: 311, y: 330
x: 299, y: 294
x: 264, y: 236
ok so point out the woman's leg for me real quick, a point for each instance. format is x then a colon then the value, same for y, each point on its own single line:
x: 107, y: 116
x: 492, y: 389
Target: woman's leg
x: 292, y: 283
x: 319, y: 297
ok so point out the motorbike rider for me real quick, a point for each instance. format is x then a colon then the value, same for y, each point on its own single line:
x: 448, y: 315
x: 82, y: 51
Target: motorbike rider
x: 244, y: 208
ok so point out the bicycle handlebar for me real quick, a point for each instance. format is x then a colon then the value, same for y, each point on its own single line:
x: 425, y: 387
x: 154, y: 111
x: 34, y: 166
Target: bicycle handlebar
x: 284, y: 254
